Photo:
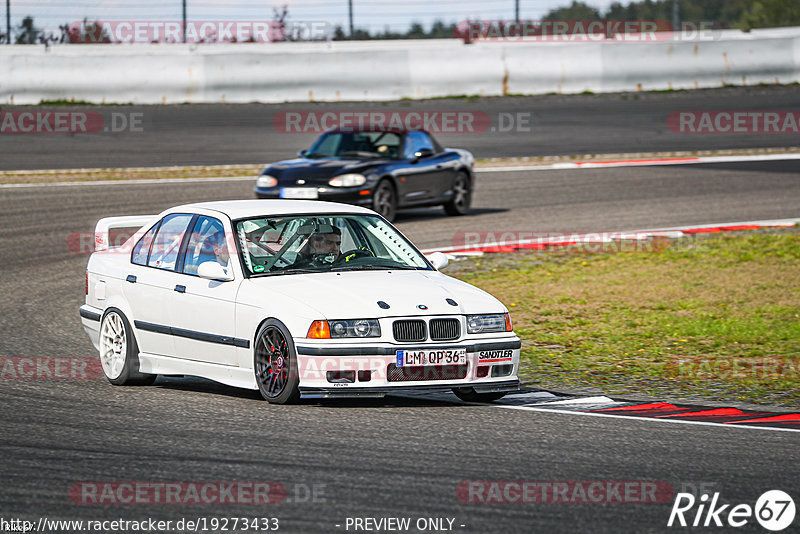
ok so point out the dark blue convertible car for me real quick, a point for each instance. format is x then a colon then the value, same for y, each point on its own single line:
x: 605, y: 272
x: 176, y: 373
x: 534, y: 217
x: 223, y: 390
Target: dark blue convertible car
x: 383, y: 170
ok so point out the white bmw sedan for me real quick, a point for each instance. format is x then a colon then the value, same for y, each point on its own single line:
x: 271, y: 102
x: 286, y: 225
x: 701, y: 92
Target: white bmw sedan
x: 297, y: 299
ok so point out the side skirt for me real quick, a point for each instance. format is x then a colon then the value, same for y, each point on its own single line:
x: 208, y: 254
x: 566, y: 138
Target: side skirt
x: 224, y: 374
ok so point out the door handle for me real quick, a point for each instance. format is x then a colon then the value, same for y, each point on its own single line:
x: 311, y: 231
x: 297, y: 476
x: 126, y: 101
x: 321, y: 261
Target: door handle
x: 131, y: 278
x: 180, y: 289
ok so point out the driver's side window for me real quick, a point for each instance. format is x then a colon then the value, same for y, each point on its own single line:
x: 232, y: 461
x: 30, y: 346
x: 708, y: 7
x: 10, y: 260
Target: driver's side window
x: 329, y: 145
x: 207, y: 243
x: 416, y: 141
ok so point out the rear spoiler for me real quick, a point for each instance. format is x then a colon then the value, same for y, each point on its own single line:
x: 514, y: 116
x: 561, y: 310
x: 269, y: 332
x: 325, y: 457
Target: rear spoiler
x: 101, y: 231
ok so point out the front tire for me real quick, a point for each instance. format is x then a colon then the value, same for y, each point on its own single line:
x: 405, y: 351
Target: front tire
x: 462, y: 196
x: 275, y: 364
x: 469, y: 395
x: 119, y: 352
x: 384, y: 200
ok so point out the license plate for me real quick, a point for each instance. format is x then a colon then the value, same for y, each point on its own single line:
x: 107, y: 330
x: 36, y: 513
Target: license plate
x: 408, y: 358
x: 299, y: 192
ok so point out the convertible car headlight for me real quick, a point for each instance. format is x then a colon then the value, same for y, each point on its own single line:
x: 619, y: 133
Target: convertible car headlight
x: 348, y: 180
x: 339, y: 328
x: 483, y: 324
x: 265, y: 180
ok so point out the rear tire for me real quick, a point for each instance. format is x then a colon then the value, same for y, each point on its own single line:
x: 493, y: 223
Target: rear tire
x: 119, y: 352
x: 462, y: 196
x: 275, y: 364
x: 384, y: 200
x: 469, y: 395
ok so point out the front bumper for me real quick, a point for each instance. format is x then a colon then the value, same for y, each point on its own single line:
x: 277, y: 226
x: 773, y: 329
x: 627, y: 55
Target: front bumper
x: 355, y: 370
x: 378, y: 392
x: 359, y: 196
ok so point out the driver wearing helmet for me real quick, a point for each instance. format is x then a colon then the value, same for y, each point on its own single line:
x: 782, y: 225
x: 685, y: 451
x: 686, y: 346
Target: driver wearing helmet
x: 323, y: 247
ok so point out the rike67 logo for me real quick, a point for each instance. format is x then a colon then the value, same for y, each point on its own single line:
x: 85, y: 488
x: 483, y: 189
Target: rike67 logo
x: 774, y: 510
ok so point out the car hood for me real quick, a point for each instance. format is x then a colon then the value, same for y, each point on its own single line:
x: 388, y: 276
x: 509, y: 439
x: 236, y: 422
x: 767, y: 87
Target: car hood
x: 355, y: 294
x: 287, y: 172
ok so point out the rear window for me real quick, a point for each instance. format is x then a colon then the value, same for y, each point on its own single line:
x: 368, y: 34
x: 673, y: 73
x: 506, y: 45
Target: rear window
x: 167, y: 243
x: 142, y: 249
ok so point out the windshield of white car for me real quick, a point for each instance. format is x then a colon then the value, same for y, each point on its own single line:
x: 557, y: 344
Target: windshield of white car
x: 357, y: 144
x: 324, y: 243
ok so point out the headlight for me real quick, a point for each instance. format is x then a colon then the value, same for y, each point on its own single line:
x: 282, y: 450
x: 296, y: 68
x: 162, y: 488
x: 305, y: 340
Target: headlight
x: 348, y: 180
x: 483, y: 324
x: 265, y: 180
x: 355, y: 328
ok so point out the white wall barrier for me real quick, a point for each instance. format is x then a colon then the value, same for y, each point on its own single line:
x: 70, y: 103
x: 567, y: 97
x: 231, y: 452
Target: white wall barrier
x: 388, y: 70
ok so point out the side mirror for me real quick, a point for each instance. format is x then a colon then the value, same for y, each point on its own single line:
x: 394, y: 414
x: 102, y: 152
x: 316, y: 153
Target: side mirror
x: 422, y: 153
x: 212, y: 270
x: 438, y: 260
x: 302, y: 153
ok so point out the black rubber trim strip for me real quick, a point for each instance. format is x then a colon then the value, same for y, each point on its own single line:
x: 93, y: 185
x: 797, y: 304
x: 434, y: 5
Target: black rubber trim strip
x: 92, y: 316
x: 390, y: 351
x: 506, y: 385
x: 192, y: 334
x: 150, y: 327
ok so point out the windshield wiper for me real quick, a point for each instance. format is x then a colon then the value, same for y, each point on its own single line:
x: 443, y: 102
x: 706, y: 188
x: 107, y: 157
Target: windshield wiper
x: 302, y: 270
x: 374, y: 267
x: 313, y: 155
x: 287, y: 271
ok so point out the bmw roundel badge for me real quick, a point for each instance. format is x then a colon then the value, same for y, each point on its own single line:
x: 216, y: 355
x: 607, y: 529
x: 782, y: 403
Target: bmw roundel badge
x: 422, y: 307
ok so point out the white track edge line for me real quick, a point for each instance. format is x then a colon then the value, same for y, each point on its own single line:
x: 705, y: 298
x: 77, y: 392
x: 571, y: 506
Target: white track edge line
x: 645, y: 162
x: 132, y: 182
x: 634, y: 418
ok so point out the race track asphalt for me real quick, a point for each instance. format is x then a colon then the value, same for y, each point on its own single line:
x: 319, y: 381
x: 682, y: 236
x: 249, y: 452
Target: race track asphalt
x: 396, y: 457
x: 542, y: 125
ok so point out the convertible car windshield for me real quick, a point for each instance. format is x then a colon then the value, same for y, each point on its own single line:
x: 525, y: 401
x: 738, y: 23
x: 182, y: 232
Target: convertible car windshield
x: 301, y: 244
x: 356, y: 144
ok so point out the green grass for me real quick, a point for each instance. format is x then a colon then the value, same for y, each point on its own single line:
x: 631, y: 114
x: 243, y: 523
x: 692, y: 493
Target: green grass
x: 73, y: 102
x: 714, y: 316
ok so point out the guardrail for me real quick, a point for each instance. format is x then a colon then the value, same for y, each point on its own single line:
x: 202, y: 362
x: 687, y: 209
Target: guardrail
x: 389, y: 70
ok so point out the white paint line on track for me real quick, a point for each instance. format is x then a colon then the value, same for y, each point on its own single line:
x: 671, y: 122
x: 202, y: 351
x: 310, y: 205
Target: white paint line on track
x: 692, y: 160
x: 645, y: 419
x: 532, y: 395
x: 648, y: 162
x: 583, y: 400
x: 132, y: 182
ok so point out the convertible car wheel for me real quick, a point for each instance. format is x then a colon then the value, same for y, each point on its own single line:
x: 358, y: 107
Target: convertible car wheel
x: 275, y: 364
x: 469, y: 395
x: 462, y: 197
x: 384, y: 201
x: 119, y: 353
